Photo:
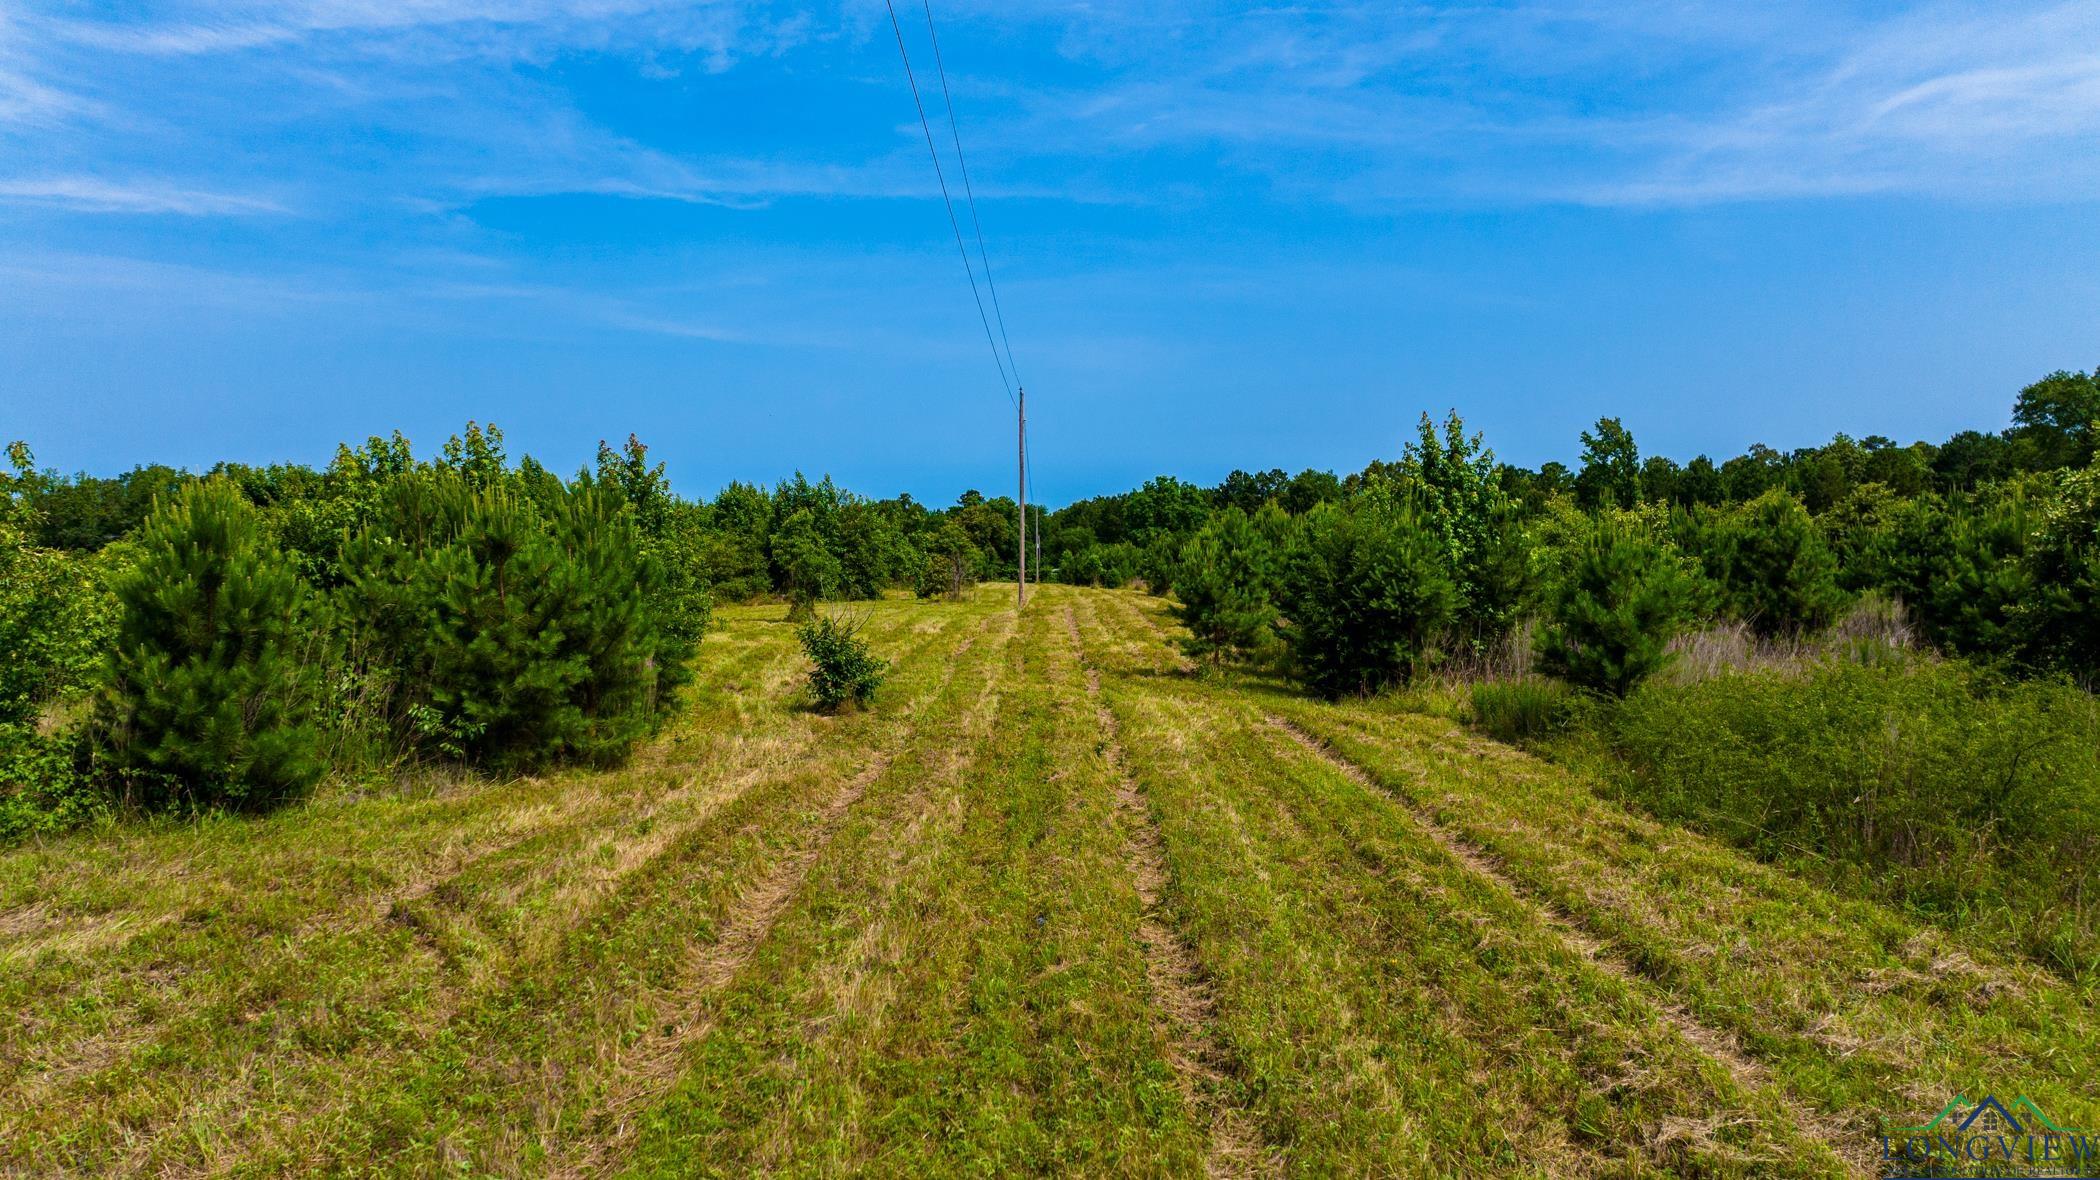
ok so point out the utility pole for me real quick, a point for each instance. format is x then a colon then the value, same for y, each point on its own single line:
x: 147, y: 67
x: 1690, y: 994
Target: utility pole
x: 1021, y: 515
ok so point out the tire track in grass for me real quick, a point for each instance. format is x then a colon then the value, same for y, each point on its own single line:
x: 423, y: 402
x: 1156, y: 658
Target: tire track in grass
x: 446, y: 841
x: 787, y: 1037
x: 642, y: 1072
x: 1747, y: 1073
x: 650, y: 1067
x: 437, y: 992
x: 1186, y: 1003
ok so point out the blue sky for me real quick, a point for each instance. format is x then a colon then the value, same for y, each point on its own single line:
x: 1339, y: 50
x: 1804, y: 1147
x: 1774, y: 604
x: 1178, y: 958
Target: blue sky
x: 1224, y: 235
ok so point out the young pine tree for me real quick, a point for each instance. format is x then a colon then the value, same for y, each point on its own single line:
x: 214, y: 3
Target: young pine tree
x: 1364, y: 589
x: 1780, y: 574
x: 1226, y: 583
x: 208, y: 700
x: 1614, y: 611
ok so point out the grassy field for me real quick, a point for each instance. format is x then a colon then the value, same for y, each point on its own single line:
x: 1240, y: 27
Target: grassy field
x: 1053, y: 906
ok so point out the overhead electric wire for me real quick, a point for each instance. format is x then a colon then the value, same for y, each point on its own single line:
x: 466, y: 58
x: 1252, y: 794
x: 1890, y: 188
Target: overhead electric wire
x: 969, y: 194
x: 953, y: 223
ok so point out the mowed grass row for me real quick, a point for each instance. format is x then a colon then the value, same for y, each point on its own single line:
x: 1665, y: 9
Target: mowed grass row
x: 959, y: 989
x: 1865, y: 1016
x: 1385, y: 1009
x: 270, y: 972
x: 1863, y: 1012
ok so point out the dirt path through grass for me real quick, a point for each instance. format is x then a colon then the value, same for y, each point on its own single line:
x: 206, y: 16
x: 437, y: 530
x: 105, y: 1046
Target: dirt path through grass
x: 1187, y: 1007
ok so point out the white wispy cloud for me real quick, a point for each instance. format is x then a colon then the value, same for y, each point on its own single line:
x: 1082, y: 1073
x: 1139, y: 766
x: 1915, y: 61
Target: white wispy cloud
x: 1587, y: 101
x: 98, y: 195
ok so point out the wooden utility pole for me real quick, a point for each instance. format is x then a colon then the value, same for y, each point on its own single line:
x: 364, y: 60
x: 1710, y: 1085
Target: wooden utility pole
x: 1021, y: 515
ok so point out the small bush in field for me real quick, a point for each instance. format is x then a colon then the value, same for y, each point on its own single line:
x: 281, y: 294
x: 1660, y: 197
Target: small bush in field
x: 841, y: 669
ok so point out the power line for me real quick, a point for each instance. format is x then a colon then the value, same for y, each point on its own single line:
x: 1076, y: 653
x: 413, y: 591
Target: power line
x: 953, y: 223
x: 969, y: 194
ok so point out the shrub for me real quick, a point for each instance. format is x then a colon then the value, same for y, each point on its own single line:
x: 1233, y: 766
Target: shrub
x: 1778, y: 572
x: 1924, y: 782
x: 515, y: 635
x: 841, y: 669
x: 210, y: 696
x: 1364, y: 589
x: 1226, y: 585
x: 1618, y: 605
x: 45, y: 786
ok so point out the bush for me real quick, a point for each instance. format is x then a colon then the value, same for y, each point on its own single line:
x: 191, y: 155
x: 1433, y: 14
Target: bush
x: 1364, y: 589
x: 45, y: 786
x: 515, y: 635
x: 1226, y: 585
x: 1778, y: 571
x: 1927, y: 783
x: 2060, y: 621
x: 1618, y: 605
x: 1519, y: 711
x: 841, y: 669
x: 210, y: 693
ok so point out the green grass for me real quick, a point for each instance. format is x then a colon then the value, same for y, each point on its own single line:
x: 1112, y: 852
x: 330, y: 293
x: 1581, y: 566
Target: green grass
x: 912, y: 941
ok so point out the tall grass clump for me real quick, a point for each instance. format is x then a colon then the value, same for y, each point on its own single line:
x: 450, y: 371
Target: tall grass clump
x: 1526, y: 711
x: 1926, y: 783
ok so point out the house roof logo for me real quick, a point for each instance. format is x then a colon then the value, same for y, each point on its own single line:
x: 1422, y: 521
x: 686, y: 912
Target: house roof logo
x: 1988, y: 1132
x: 2031, y: 1120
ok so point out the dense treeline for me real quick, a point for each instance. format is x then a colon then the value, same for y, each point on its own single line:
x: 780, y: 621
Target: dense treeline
x: 1987, y: 540
x: 1881, y: 655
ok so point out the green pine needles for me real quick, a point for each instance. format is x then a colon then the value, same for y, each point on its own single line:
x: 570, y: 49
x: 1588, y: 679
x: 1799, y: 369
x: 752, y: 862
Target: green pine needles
x: 210, y: 698
x: 1614, y: 612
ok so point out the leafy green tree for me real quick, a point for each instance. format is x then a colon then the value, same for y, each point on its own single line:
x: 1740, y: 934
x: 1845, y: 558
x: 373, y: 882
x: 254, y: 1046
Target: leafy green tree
x: 1455, y: 483
x: 209, y: 697
x: 873, y: 552
x: 1776, y: 568
x: 1611, y: 467
x: 1226, y: 584
x: 949, y: 562
x: 2061, y: 620
x: 1364, y: 591
x: 1700, y: 483
x: 807, y: 569
x: 1621, y: 601
x: 2055, y: 418
x: 1309, y: 489
x: 56, y: 616
x: 1165, y: 506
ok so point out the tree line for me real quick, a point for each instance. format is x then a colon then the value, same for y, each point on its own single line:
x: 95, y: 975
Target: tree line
x: 228, y: 638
